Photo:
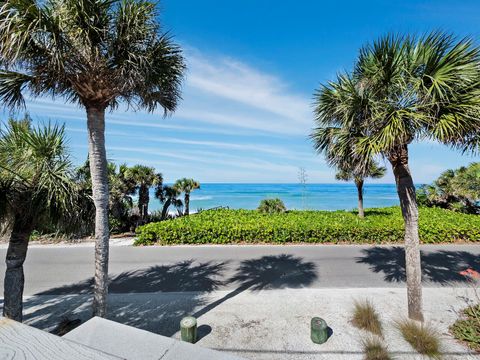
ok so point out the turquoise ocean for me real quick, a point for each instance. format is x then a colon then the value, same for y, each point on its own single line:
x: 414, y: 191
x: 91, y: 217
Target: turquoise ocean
x: 295, y: 196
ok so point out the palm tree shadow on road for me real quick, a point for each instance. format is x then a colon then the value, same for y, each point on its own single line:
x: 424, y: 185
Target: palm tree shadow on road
x: 156, y: 298
x: 153, y: 299
x: 441, y: 267
x: 266, y: 273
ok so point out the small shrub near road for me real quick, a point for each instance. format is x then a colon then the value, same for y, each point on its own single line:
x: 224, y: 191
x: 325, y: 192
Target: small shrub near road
x: 366, y: 317
x: 374, y: 349
x: 422, y: 337
x: 272, y: 206
x: 467, y: 328
x: 383, y: 225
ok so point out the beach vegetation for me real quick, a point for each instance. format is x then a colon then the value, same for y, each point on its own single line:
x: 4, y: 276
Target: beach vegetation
x: 142, y: 178
x: 272, y: 206
x: 457, y: 190
x: 120, y: 201
x: 424, y: 338
x: 374, y: 349
x: 186, y: 186
x: 404, y: 89
x: 467, y: 328
x: 358, y: 176
x: 36, y: 187
x: 169, y: 197
x: 365, y: 317
x: 383, y: 225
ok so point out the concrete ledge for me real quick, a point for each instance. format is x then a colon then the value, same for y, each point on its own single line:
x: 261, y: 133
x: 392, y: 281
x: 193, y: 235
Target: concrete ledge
x: 22, y: 342
x: 131, y: 343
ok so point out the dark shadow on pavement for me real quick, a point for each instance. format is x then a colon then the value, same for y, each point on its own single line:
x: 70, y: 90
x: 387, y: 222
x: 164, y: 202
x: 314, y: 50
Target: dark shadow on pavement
x: 441, y: 266
x: 202, y: 331
x: 153, y: 299
x: 157, y: 298
x: 183, y: 276
x: 268, y: 272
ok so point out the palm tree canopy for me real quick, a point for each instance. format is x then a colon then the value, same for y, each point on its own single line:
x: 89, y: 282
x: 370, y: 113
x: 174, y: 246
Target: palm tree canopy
x: 91, y: 52
x: 36, y: 180
x: 186, y: 185
x: 143, y: 175
x: 401, y: 90
x: 422, y: 88
x: 340, y: 109
x: 167, y: 192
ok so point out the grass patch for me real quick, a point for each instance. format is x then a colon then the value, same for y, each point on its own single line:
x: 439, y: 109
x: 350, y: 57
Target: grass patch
x: 423, y: 338
x: 374, y: 349
x: 366, y: 317
x: 467, y: 329
x: 384, y: 225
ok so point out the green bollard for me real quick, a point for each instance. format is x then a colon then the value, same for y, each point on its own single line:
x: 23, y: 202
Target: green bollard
x: 188, y: 329
x: 319, y: 330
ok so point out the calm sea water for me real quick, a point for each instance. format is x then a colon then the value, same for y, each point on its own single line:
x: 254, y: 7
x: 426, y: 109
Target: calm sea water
x: 313, y: 196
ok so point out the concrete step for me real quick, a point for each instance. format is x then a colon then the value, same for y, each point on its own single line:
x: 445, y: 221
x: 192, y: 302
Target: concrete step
x: 131, y: 343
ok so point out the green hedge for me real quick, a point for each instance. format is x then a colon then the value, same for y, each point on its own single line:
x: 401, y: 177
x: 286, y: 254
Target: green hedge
x: 383, y: 225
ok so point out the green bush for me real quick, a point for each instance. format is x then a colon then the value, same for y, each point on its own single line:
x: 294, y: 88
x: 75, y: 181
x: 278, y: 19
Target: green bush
x: 272, y: 206
x: 467, y: 328
x: 383, y: 225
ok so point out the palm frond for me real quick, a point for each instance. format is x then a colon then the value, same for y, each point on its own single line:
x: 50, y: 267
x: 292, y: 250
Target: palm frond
x: 99, y: 52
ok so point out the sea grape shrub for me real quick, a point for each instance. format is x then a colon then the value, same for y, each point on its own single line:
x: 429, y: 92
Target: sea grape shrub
x: 383, y: 225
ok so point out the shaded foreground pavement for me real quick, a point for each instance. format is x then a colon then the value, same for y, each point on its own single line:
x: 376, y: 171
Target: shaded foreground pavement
x: 256, y: 301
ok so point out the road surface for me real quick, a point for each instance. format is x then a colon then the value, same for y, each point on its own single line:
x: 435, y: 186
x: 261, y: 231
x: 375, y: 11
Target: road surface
x: 68, y: 269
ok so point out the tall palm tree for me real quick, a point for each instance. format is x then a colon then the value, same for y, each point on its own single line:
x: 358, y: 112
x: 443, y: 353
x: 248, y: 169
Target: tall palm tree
x: 98, y: 54
x: 144, y: 178
x: 186, y: 186
x: 36, y: 186
x: 412, y: 89
x: 351, y: 174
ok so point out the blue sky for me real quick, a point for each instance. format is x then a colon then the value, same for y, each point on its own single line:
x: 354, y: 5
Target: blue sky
x: 247, y: 100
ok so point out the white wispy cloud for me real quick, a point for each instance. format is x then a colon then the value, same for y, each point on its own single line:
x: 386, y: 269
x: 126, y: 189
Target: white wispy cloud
x: 241, y: 96
x: 232, y: 79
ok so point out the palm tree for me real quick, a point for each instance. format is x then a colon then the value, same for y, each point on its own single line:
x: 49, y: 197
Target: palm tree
x: 144, y: 178
x: 346, y: 100
x: 97, y: 54
x: 36, y: 186
x: 186, y: 186
x: 168, y: 196
x: 121, y: 190
x: 411, y: 89
x: 348, y: 174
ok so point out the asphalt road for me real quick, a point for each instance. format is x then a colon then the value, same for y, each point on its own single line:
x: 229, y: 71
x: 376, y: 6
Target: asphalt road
x: 68, y: 269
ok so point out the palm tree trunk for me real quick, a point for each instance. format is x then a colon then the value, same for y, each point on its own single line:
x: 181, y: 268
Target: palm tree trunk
x: 166, y: 205
x: 98, y: 169
x: 143, y: 203
x: 14, y: 277
x: 408, y: 204
x: 361, y: 212
x: 187, y: 203
x: 147, y: 200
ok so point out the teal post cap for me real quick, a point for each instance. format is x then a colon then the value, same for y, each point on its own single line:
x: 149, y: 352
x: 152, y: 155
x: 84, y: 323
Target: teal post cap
x: 188, y: 329
x: 319, y: 330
